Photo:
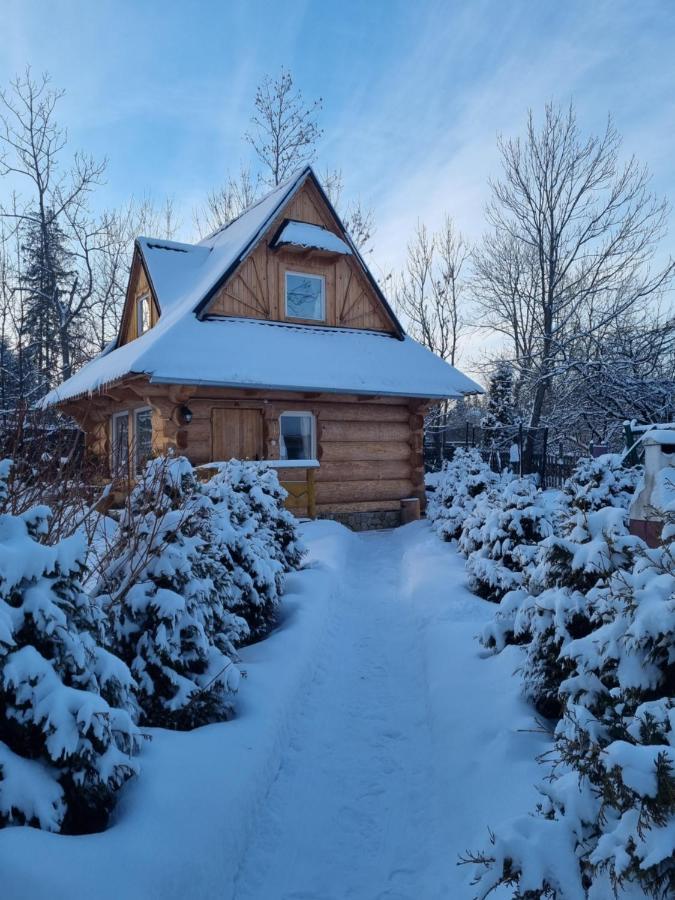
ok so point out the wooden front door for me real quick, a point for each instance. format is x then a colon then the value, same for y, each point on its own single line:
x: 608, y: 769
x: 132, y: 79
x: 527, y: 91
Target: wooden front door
x: 237, y: 434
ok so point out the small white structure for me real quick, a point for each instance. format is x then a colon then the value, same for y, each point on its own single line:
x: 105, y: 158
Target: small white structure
x: 645, y: 518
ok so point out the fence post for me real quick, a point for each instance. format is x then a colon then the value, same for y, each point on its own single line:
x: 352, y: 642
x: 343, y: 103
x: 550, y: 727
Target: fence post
x: 520, y: 449
x: 466, y: 437
x: 631, y: 457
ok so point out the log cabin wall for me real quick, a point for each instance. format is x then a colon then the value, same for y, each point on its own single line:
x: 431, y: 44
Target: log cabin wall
x: 257, y: 289
x: 369, y: 449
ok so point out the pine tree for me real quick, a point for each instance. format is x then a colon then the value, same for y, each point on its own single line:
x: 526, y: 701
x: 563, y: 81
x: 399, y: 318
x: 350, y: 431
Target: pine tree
x: 499, y: 397
x: 552, y: 608
x: 463, y: 480
x: 264, y: 543
x: 166, y: 589
x: 64, y: 749
x: 606, y: 819
x: 507, y: 543
x: 46, y: 269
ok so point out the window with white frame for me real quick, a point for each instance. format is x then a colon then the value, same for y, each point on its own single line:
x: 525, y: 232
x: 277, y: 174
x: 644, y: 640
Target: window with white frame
x: 120, y: 443
x: 143, y: 314
x: 305, y: 296
x: 142, y: 437
x: 297, y: 435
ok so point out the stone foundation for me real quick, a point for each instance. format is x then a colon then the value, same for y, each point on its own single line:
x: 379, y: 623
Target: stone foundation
x: 368, y: 521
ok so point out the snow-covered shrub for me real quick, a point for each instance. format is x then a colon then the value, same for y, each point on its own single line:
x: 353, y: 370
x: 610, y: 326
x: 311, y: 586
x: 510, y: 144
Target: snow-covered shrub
x: 259, y: 484
x: 508, y: 539
x: 608, y: 810
x: 195, y: 571
x: 64, y: 749
x: 462, y: 480
x: 595, y: 544
x: 553, y: 606
x: 257, y: 537
x: 602, y: 481
x: 165, y: 589
x: 471, y: 536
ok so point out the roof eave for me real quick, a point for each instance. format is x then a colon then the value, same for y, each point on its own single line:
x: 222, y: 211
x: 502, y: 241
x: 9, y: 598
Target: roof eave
x: 295, y: 388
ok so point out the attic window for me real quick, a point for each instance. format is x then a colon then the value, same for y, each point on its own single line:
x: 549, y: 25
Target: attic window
x: 305, y: 296
x: 143, y: 314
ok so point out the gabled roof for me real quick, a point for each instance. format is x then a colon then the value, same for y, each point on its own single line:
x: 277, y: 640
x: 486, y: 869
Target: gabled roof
x: 193, y: 273
x: 189, y: 274
x: 186, y: 346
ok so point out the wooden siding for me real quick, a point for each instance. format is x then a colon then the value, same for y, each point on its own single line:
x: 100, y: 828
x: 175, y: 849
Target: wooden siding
x: 369, y: 449
x: 257, y: 289
x: 138, y: 286
x: 236, y: 432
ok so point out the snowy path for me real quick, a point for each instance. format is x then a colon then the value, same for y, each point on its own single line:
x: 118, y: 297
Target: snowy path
x: 352, y: 810
x: 356, y: 809
x: 372, y: 744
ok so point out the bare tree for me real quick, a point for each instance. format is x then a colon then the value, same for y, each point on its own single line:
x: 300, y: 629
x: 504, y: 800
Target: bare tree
x: 428, y: 292
x: 285, y: 129
x: 54, y: 211
x: 226, y: 203
x: 574, y: 233
x: 112, y: 263
x: 357, y: 218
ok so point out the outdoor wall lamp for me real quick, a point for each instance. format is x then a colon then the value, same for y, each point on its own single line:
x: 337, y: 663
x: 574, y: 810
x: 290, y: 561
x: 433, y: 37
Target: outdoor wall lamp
x: 185, y: 414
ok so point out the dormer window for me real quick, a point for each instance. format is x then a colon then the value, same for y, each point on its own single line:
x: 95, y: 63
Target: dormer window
x: 305, y: 296
x: 143, y: 314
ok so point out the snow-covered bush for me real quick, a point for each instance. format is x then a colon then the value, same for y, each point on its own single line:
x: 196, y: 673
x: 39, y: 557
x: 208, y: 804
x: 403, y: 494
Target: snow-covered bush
x: 165, y: 591
x: 471, y: 536
x: 599, y: 612
x: 608, y: 809
x: 257, y: 539
x: 64, y: 749
x: 259, y: 484
x: 602, y: 481
x: 507, y: 541
x: 552, y: 607
x: 462, y: 480
x: 195, y: 571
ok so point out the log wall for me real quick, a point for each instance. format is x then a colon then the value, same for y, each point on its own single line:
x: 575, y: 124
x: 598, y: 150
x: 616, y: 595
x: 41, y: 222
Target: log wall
x: 369, y: 449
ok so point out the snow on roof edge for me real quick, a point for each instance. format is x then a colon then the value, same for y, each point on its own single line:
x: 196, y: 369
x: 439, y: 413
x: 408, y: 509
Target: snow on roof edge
x: 304, y: 234
x: 249, y: 385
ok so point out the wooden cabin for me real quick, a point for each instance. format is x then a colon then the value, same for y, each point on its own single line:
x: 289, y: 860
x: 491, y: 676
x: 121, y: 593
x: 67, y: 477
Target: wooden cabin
x: 268, y: 340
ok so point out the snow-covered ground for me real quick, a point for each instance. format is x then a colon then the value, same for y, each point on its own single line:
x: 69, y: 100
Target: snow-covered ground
x: 372, y: 745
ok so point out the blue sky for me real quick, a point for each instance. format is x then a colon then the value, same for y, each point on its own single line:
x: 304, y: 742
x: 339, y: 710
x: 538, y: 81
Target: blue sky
x: 414, y: 93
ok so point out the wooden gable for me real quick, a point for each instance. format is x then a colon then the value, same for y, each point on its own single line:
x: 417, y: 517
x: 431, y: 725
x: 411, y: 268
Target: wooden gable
x: 256, y: 288
x: 138, y: 286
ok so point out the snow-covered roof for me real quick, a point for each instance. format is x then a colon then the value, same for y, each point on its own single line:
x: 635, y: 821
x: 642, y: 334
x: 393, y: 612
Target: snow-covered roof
x: 185, y: 274
x: 302, y: 234
x: 184, y: 347
x: 236, y: 352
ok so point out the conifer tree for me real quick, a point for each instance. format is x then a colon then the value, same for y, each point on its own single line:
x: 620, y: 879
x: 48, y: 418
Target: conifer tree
x: 64, y: 749
x: 499, y: 398
x: 46, y: 271
x: 166, y: 589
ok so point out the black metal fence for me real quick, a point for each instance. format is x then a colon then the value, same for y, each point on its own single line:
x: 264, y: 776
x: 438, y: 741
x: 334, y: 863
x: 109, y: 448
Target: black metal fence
x: 32, y: 434
x: 522, y: 450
